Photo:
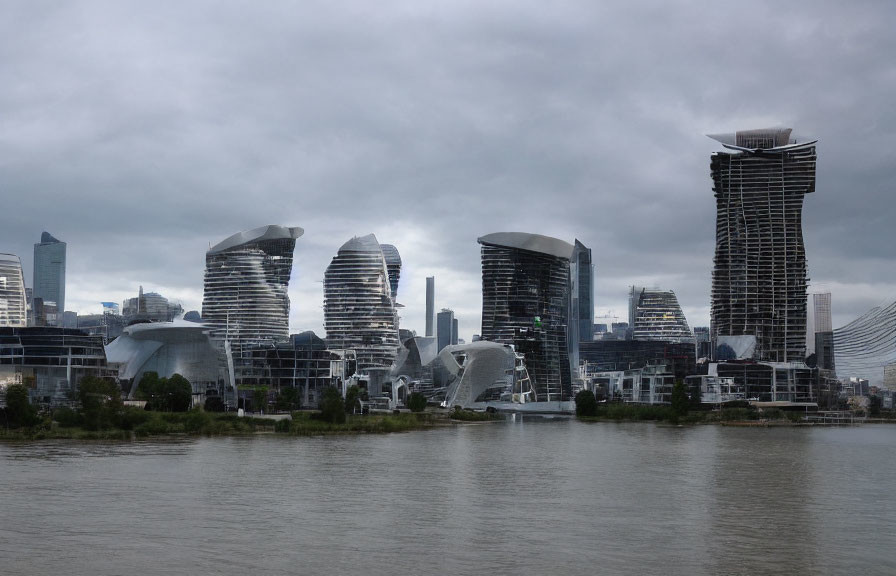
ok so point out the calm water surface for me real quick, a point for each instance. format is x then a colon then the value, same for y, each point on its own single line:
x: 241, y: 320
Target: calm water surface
x: 522, y: 497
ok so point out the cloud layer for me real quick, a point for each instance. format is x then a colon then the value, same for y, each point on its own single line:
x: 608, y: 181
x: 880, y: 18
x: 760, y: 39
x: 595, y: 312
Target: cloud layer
x: 141, y: 133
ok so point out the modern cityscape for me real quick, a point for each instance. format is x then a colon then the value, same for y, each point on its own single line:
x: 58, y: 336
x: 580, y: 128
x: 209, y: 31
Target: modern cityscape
x: 464, y: 288
x: 539, y: 343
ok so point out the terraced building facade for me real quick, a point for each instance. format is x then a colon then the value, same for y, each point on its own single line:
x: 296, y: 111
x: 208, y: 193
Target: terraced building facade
x: 759, y: 278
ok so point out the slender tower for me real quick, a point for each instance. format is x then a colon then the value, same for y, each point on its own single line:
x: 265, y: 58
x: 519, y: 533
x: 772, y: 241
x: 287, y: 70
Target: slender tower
x: 430, y: 303
x: 759, y: 279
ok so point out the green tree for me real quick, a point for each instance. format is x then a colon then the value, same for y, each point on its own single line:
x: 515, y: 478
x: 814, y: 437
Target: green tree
x: 417, y: 402
x: 214, y: 404
x: 332, y: 406
x: 874, y: 405
x: 352, y: 394
x: 178, y: 393
x: 288, y: 399
x: 259, y: 399
x: 100, y: 402
x: 586, y: 403
x: 150, y: 389
x: 679, y: 399
x: 19, y: 411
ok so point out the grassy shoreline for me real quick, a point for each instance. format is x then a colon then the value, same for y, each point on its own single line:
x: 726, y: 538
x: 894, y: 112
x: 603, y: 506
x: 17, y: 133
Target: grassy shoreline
x: 199, y: 423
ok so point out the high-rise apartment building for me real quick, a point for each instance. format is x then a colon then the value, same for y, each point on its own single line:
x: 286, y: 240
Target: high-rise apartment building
x: 821, y: 305
x: 49, y: 275
x: 13, y: 309
x: 526, y: 302
x: 430, y: 304
x: 246, y: 282
x: 654, y: 314
x: 759, y: 278
x: 359, y: 312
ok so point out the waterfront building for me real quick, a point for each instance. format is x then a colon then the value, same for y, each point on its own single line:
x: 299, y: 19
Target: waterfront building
x: 759, y: 276
x: 13, y: 306
x: 655, y: 315
x: 780, y: 382
x: 482, y: 372
x: 865, y: 346
x: 246, y: 281
x: 445, y: 326
x: 166, y: 348
x: 621, y: 355
x: 359, y: 313
x: 415, y: 363
x: 51, y: 361
x: 302, y: 362
x: 651, y: 384
x: 393, y: 267
x: 49, y: 276
x: 526, y: 302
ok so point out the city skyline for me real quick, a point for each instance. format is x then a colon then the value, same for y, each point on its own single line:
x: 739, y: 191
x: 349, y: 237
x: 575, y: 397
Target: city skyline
x: 568, y: 129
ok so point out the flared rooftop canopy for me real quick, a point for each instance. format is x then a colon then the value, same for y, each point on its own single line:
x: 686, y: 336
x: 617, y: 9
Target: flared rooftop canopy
x: 367, y: 243
x: 530, y: 242
x: 270, y: 232
x: 777, y: 138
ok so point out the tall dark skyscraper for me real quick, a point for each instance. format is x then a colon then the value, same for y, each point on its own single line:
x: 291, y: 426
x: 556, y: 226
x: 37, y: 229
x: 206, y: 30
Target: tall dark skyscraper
x: 49, y: 275
x: 759, y: 279
x: 445, y: 335
x: 430, y: 304
x: 246, y: 282
x: 583, y: 291
x: 526, y: 302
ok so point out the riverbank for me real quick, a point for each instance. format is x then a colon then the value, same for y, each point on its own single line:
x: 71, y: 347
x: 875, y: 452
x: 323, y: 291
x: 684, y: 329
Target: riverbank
x: 144, y: 424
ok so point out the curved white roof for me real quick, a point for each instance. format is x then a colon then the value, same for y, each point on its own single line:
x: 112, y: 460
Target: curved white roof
x: 367, y: 243
x: 270, y: 232
x: 530, y: 242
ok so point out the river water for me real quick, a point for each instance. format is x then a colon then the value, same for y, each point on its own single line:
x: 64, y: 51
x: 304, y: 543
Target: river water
x: 526, y: 496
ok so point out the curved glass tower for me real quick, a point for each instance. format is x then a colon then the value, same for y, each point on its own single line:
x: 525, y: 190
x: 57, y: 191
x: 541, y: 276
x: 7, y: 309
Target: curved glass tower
x: 759, y: 278
x: 12, y: 292
x: 246, y: 281
x: 359, y: 312
x: 526, y: 302
x: 393, y: 266
x: 867, y: 345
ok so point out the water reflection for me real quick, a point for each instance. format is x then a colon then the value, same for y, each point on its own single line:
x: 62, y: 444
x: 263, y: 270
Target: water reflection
x: 528, y: 496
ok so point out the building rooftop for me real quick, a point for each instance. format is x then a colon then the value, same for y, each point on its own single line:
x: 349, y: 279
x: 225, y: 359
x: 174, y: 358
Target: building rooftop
x: 261, y: 234
x: 530, y: 242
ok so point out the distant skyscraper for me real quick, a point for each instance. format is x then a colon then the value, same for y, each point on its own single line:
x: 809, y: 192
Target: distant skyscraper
x: 454, y: 332
x: 759, y: 279
x: 246, y: 282
x: 393, y: 266
x: 430, y: 304
x: 582, y: 270
x: 822, y: 312
x: 655, y: 315
x: 359, y: 313
x: 13, y: 310
x: 526, y: 302
x: 445, y: 335
x: 49, y: 275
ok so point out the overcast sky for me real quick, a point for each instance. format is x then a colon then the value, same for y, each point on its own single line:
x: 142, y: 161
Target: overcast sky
x: 142, y: 132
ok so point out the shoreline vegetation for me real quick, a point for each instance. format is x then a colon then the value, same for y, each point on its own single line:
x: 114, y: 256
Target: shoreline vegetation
x: 139, y: 424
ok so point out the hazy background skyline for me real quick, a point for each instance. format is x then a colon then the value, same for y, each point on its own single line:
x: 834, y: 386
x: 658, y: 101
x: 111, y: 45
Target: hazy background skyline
x: 141, y: 134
